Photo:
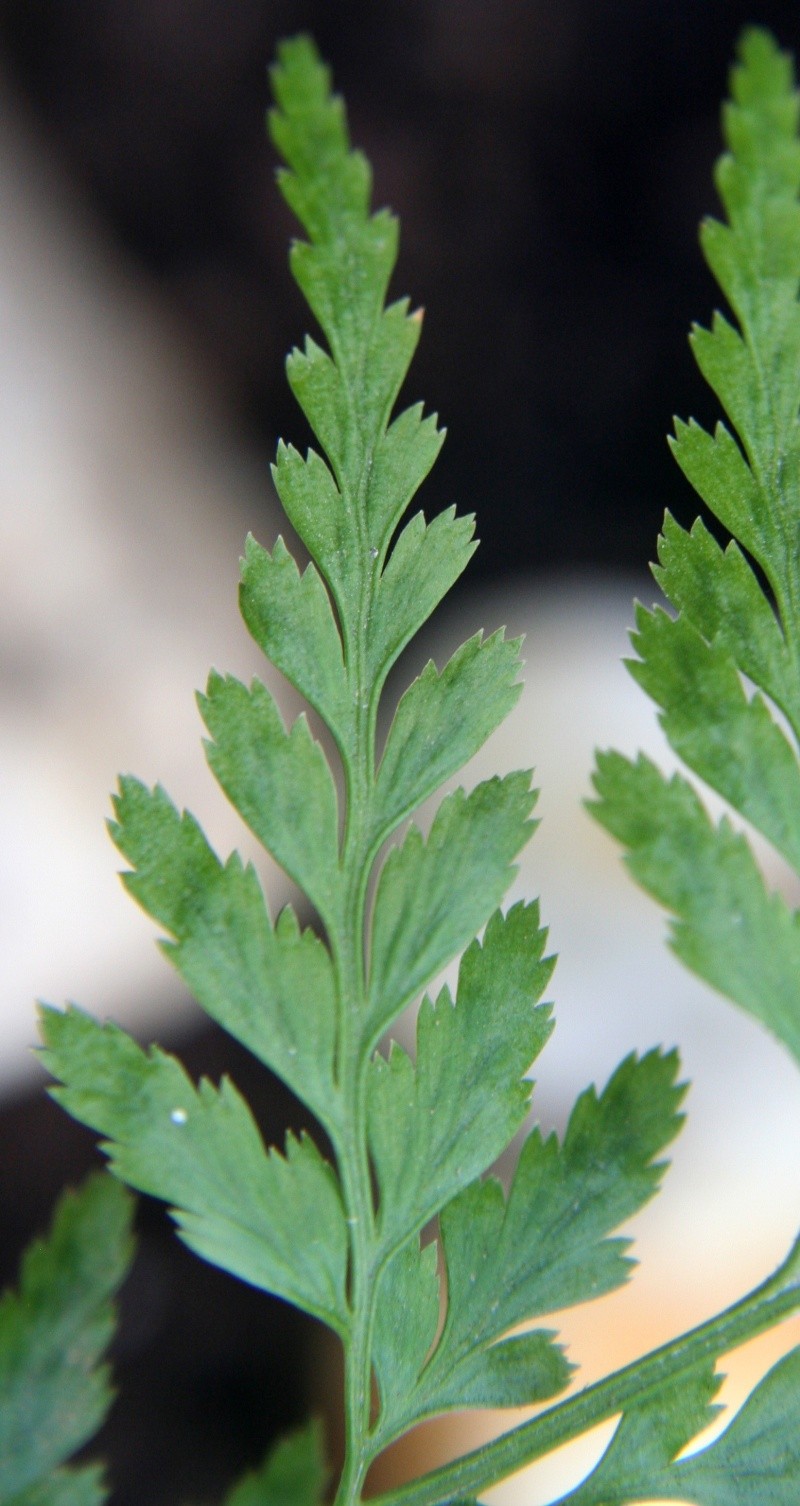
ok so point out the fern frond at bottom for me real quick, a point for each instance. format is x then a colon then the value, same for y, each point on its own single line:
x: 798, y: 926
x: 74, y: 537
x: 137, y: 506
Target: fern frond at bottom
x: 54, y: 1330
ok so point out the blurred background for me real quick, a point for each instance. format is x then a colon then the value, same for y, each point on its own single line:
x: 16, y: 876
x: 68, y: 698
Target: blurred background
x: 549, y: 165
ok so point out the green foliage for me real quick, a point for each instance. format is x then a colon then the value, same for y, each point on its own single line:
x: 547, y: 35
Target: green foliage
x: 433, y: 895
x: 54, y: 1330
x: 736, y: 616
x: 508, y: 1261
x: 275, y: 1221
x: 729, y: 929
x: 424, y: 1267
x: 428, y: 1138
x: 293, y: 1474
x: 245, y: 973
x: 756, y: 1461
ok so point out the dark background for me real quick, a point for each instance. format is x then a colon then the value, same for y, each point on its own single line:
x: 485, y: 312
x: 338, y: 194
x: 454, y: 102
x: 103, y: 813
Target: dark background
x: 549, y: 162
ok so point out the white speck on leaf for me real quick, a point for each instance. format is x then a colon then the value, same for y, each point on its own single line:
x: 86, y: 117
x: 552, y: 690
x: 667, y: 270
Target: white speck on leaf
x: 179, y: 1116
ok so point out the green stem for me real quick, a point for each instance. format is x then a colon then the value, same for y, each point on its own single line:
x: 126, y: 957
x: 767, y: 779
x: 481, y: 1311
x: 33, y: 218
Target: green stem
x: 761, y: 1309
x: 352, y: 1148
x: 356, y: 1189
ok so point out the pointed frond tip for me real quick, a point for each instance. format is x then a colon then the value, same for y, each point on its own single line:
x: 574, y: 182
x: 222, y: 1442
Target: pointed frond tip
x: 763, y: 71
x: 324, y: 182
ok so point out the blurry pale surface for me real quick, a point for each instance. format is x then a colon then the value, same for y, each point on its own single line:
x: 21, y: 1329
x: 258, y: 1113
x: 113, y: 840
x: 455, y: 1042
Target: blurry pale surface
x: 124, y: 499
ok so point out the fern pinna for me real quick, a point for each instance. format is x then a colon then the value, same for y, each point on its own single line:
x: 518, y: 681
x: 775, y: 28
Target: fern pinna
x: 54, y: 1330
x: 733, y: 620
x: 428, y: 1320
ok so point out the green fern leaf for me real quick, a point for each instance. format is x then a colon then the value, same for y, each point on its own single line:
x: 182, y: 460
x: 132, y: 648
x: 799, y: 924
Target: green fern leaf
x: 442, y: 720
x: 293, y: 1474
x: 518, y: 1371
x: 426, y: 561
x: 434, y: 895
x: 733, y: 743
x: 275, y: 1221
x: 402, y: 460
x: 54, y: 1390
x: 246, y: 974
x: 509, y: 1261
x: 638, y: 1462
x: 352, y: 1240
x: 291, y: 619
x: 717, y: 591
x: 67, y: 1487
x: 407, y: 1308
x: 726, y: 927
x: 755, y: 1462
x: 279, y: 782
x: 315, y: 508
x: 436, y: 1125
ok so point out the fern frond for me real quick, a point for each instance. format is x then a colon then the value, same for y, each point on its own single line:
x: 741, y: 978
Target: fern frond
x: 410, y: 1139
x: 55, y: 1389
x: 726, y: 670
